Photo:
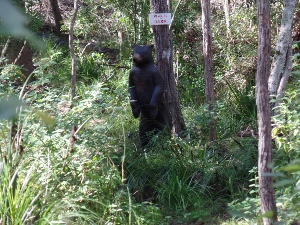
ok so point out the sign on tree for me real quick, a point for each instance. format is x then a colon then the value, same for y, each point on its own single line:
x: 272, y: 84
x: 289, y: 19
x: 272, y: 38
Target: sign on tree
x: 160, y: 18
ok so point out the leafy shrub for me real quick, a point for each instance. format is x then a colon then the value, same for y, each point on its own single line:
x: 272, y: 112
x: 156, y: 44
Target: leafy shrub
x: 286, y: 135
x: 12, y: 73
x: 287, y: 122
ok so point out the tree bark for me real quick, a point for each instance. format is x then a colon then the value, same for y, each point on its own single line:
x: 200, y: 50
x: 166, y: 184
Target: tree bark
x: 4, y: 50
x: 170, y: 5
x: 286, y: 74
x: 72, y: 51
x: 207, y: 54
x: 227, y: 18
x: 266, y: 191
x: 134, y: 22
x: 164, y: 61
x: 279, y: 61
x: 57, y: 16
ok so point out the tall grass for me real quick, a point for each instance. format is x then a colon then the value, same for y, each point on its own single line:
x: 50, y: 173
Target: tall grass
x: 18, y: 198
x: 43, y: 182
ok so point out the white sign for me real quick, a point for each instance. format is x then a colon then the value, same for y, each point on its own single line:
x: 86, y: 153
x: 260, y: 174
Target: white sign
x: 160, y: 18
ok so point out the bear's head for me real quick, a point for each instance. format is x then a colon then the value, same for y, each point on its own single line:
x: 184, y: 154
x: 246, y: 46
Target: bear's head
x: 142, y: 54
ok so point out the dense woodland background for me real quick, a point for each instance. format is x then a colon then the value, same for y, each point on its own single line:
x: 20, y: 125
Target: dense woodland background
x: 76, y: 159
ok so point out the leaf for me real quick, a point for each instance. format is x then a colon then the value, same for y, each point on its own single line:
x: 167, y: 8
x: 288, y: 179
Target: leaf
x: 296, y: 55
x: 240, y: 214
x: 282, y: 183
x: 291, y: 168
x: 268, y: 214
x: 277, y: 174
x: 9, y: 107
x: 274, y: 132
x: 297, y: 72
x: 48, y: 120
x: 13, y: 24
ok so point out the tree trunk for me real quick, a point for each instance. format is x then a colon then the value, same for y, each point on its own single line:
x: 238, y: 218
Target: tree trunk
x: 57, y: 16
x: 134, y: 22
x: 164, y: 61
x: 72, y: 51
x: 279, y: 61
x: 266, y: 191
x: 207, y: 54
x: 285, y: 76
x: 170, y: 5
x: 4, y: 50
x: 227, y: 19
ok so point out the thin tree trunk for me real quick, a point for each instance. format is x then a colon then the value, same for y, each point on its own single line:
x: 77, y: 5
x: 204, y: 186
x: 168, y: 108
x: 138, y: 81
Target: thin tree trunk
x: 170, y: 5
x: 282, y: 44
x: 134, y: 22
x: 227, y: 19
x: 285, y: 76
x: 4, y: 50
x: 57, y: 16
x: 164, y: 61
x: 174, y: 12
x: 20, y: 53
x: 265, y: 157
x: 207, y: 54
x: 72, y: 51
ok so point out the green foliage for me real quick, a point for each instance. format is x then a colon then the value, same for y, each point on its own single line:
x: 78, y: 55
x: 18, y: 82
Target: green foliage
x: 81, y: 163
x: 95, y: 67
x: 287, y: 122
x: 286, y: 176
x: 185, y: 176
x: 247, y: 209
x: 165, y: 176
x: 286, y: 136
x: 14, y: 25
x: 80, y: 183
x: 190, y: 84
x: 242, y: 103
x: 12, y: 73
x: 137, y: 14
x: 18, y: 198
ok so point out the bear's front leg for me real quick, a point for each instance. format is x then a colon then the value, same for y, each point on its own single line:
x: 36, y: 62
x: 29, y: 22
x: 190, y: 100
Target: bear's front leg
x: 157, y: 94
x: 135, y: 108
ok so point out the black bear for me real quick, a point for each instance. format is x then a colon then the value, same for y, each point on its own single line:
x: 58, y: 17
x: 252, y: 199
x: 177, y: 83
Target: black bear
x: 146, y: 88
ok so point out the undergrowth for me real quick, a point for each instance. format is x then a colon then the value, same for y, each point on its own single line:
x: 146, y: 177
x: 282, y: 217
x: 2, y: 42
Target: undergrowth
x: 82, y: 163
x: 100, y: 174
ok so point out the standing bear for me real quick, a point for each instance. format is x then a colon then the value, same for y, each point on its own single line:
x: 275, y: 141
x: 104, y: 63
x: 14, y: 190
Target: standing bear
x: 146, y: 88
